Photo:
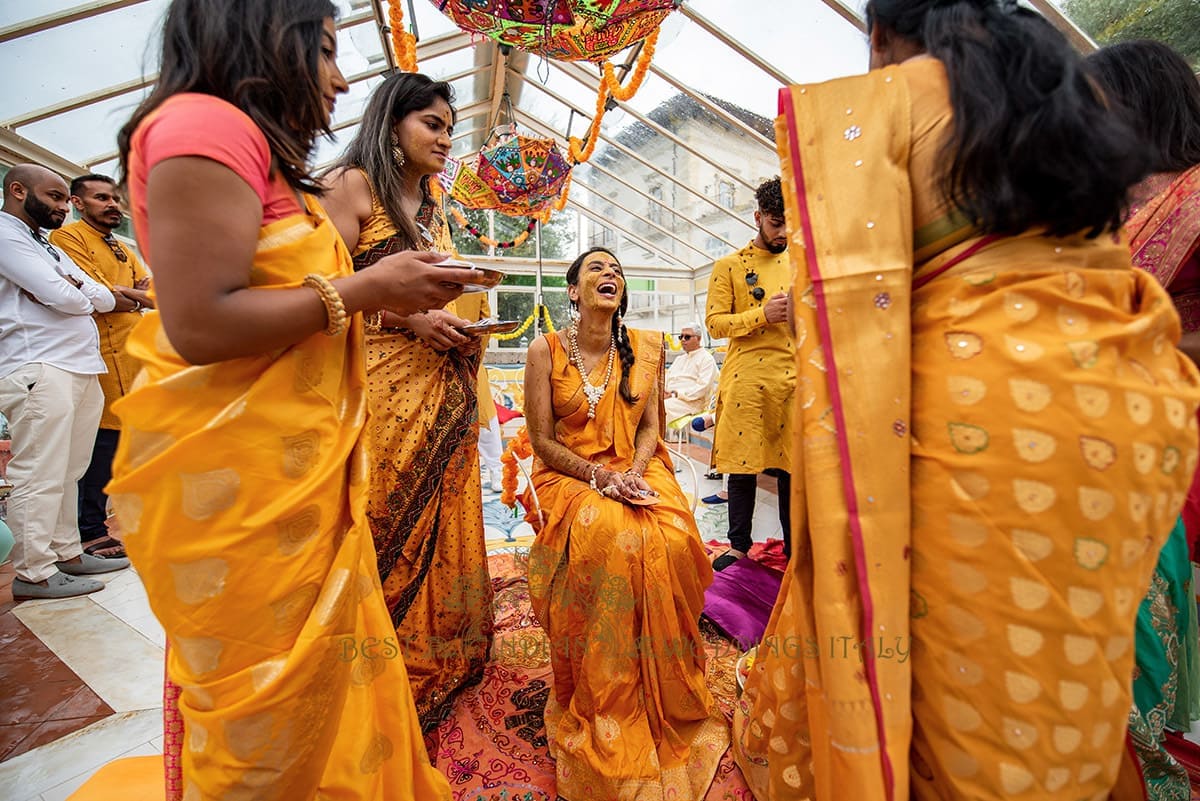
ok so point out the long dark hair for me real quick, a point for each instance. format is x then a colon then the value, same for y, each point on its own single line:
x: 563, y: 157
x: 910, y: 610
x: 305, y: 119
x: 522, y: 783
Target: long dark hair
x: 399, y: 95
x: 1161, y: 97
x: 260, y: 55
x: 619, y: 332
x: 1032, y: 143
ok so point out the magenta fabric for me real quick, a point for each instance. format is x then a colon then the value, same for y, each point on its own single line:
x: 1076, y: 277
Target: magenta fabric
x: 740, y: 599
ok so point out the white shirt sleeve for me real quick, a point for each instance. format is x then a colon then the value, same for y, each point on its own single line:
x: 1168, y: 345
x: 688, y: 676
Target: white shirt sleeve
x: 100, y: 296
x: 27, y: 265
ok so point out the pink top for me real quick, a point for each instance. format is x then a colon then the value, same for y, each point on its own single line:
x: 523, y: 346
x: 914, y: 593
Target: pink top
x: 192, y: 124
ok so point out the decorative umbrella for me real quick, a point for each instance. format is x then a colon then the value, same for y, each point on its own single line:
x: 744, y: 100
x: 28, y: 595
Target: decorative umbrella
x: 515, y: 175
x: 568, y: 30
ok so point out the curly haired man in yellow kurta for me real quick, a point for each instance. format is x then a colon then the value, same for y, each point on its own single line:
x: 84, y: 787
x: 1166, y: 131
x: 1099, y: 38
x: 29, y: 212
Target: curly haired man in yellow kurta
x: 747, y: 303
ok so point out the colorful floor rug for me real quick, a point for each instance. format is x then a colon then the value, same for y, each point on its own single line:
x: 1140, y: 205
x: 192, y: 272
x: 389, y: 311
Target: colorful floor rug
x: 493, y: 746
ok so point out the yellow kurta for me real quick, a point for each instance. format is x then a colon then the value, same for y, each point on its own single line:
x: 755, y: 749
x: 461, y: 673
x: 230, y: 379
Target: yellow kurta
x: 619, y: 591
x: 758, y: 378
x: 240, y: 487
x: 425, y: 501
x: 474, y: 306
x: 87, y: 248
x: 992, y: 442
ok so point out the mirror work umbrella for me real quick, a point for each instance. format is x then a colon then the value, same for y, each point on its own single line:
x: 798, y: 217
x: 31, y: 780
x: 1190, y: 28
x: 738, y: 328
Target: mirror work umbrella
x: 513, y: 174
x: 567, y: 30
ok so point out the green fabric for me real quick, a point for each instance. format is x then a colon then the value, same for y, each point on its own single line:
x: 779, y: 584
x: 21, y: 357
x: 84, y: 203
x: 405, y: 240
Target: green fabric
x: 1166, y: 663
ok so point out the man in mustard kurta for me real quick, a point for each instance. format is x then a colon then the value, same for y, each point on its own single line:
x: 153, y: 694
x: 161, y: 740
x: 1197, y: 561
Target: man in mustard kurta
x: 90, y: 243
x: 747, y: 303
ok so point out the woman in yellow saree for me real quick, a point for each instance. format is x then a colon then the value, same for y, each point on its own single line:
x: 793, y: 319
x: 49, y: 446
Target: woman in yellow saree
x: 617, y: 585
x: 426, y: 507
x: 994, y: 429
x: 240, y: 485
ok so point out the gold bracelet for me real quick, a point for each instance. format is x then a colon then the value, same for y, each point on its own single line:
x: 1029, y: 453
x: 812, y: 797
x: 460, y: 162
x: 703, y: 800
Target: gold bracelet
x: 374, y: 322
x: 335, y: 309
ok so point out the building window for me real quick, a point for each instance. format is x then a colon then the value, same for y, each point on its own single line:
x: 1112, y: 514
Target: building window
x: 602, y: 237
x: 655, y: 211
x: 725, y: 194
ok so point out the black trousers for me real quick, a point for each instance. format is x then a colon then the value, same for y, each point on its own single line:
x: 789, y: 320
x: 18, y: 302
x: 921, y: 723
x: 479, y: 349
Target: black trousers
x: 742, y: 491
x: 92, y: 499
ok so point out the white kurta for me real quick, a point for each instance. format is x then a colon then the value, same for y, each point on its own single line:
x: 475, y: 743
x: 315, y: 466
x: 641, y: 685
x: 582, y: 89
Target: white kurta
x: 693, y: 379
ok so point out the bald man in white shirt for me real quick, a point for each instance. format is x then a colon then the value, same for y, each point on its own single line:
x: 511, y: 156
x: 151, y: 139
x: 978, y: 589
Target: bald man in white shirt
x: 49, y: 360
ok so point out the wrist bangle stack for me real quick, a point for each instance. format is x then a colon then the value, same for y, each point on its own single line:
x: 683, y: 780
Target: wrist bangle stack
x: 335, y: 309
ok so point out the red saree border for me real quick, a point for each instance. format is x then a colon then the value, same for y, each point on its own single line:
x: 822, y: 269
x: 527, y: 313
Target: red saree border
x: 958, y: 259
x: 788, y: 108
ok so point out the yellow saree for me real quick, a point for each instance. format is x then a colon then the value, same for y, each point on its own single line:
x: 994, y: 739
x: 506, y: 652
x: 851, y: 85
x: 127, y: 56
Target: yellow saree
x: 619, y: 591
x: 241, y: 489
x: 992, y: 440
x: 425, y: 502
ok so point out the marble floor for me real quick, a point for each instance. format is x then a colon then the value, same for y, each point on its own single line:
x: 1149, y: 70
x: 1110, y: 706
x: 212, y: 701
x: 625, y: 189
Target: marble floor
x: 82, y: 677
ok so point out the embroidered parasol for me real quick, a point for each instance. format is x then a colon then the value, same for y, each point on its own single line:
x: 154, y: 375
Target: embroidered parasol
x: 567, y: 30
x: 514, y: 174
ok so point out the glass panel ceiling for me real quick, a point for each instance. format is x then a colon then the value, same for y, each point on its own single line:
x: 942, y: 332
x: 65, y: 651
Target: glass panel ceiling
x: 670, y: 185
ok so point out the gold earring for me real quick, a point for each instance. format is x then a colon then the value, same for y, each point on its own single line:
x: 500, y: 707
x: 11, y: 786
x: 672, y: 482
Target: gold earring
x: 397, y: 153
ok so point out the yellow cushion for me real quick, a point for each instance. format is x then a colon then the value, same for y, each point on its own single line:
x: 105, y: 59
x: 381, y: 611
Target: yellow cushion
x: 508, y: 386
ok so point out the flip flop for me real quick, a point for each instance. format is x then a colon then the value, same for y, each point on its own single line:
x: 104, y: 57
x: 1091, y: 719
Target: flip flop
x: 105, y: 547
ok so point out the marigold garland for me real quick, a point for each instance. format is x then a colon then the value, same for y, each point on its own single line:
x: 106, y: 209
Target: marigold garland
x: 515, y: 334
x: 639, y: 73
x: 548, y: 323
x: 404, y: 44
x: 609, y: 85
x: 578, y: 150
x: 486, y: 240
x: 519, y: 447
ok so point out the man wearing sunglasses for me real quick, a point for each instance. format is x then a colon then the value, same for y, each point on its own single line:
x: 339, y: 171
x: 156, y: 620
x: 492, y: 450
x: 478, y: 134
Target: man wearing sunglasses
x: 90, y: 242
x: 49, y: 360
x: 691, y: 377
x: 747, y: 303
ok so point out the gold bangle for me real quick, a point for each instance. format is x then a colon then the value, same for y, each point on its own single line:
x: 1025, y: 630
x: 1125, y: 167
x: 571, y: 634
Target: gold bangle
x: 335, y: 309
x: 374, y: 322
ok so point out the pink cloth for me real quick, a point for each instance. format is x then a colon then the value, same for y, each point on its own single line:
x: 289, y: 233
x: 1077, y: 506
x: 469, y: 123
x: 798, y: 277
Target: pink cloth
x: 192, y: 124
x: 740, y: 599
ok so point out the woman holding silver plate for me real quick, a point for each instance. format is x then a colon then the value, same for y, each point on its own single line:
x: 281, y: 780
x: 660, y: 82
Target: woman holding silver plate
x: 425, y: 505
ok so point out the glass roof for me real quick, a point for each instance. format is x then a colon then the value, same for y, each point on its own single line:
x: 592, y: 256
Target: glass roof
x: 671, y: 182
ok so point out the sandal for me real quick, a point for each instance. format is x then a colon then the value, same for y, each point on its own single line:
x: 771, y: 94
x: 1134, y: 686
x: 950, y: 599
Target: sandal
x: 105, y: 547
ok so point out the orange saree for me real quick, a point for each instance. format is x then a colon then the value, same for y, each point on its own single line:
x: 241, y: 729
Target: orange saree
x: 619, y: 591
x: 240, y: 487
x: 992, y: 440
x: 425, y: 503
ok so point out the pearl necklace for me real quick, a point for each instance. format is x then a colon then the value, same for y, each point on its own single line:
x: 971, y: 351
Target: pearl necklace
x: 592, y: 391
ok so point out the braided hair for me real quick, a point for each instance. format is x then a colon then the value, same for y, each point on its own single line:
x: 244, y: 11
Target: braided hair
x: 619, y: 331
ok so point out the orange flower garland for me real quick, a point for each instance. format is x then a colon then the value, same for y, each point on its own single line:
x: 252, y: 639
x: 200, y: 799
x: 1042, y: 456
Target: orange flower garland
x: 639, y: 73
x: 519, y: 447
x: 486, y: 240
x: 609, y: 85
x: 579, y: 152
x: 404, y: 44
